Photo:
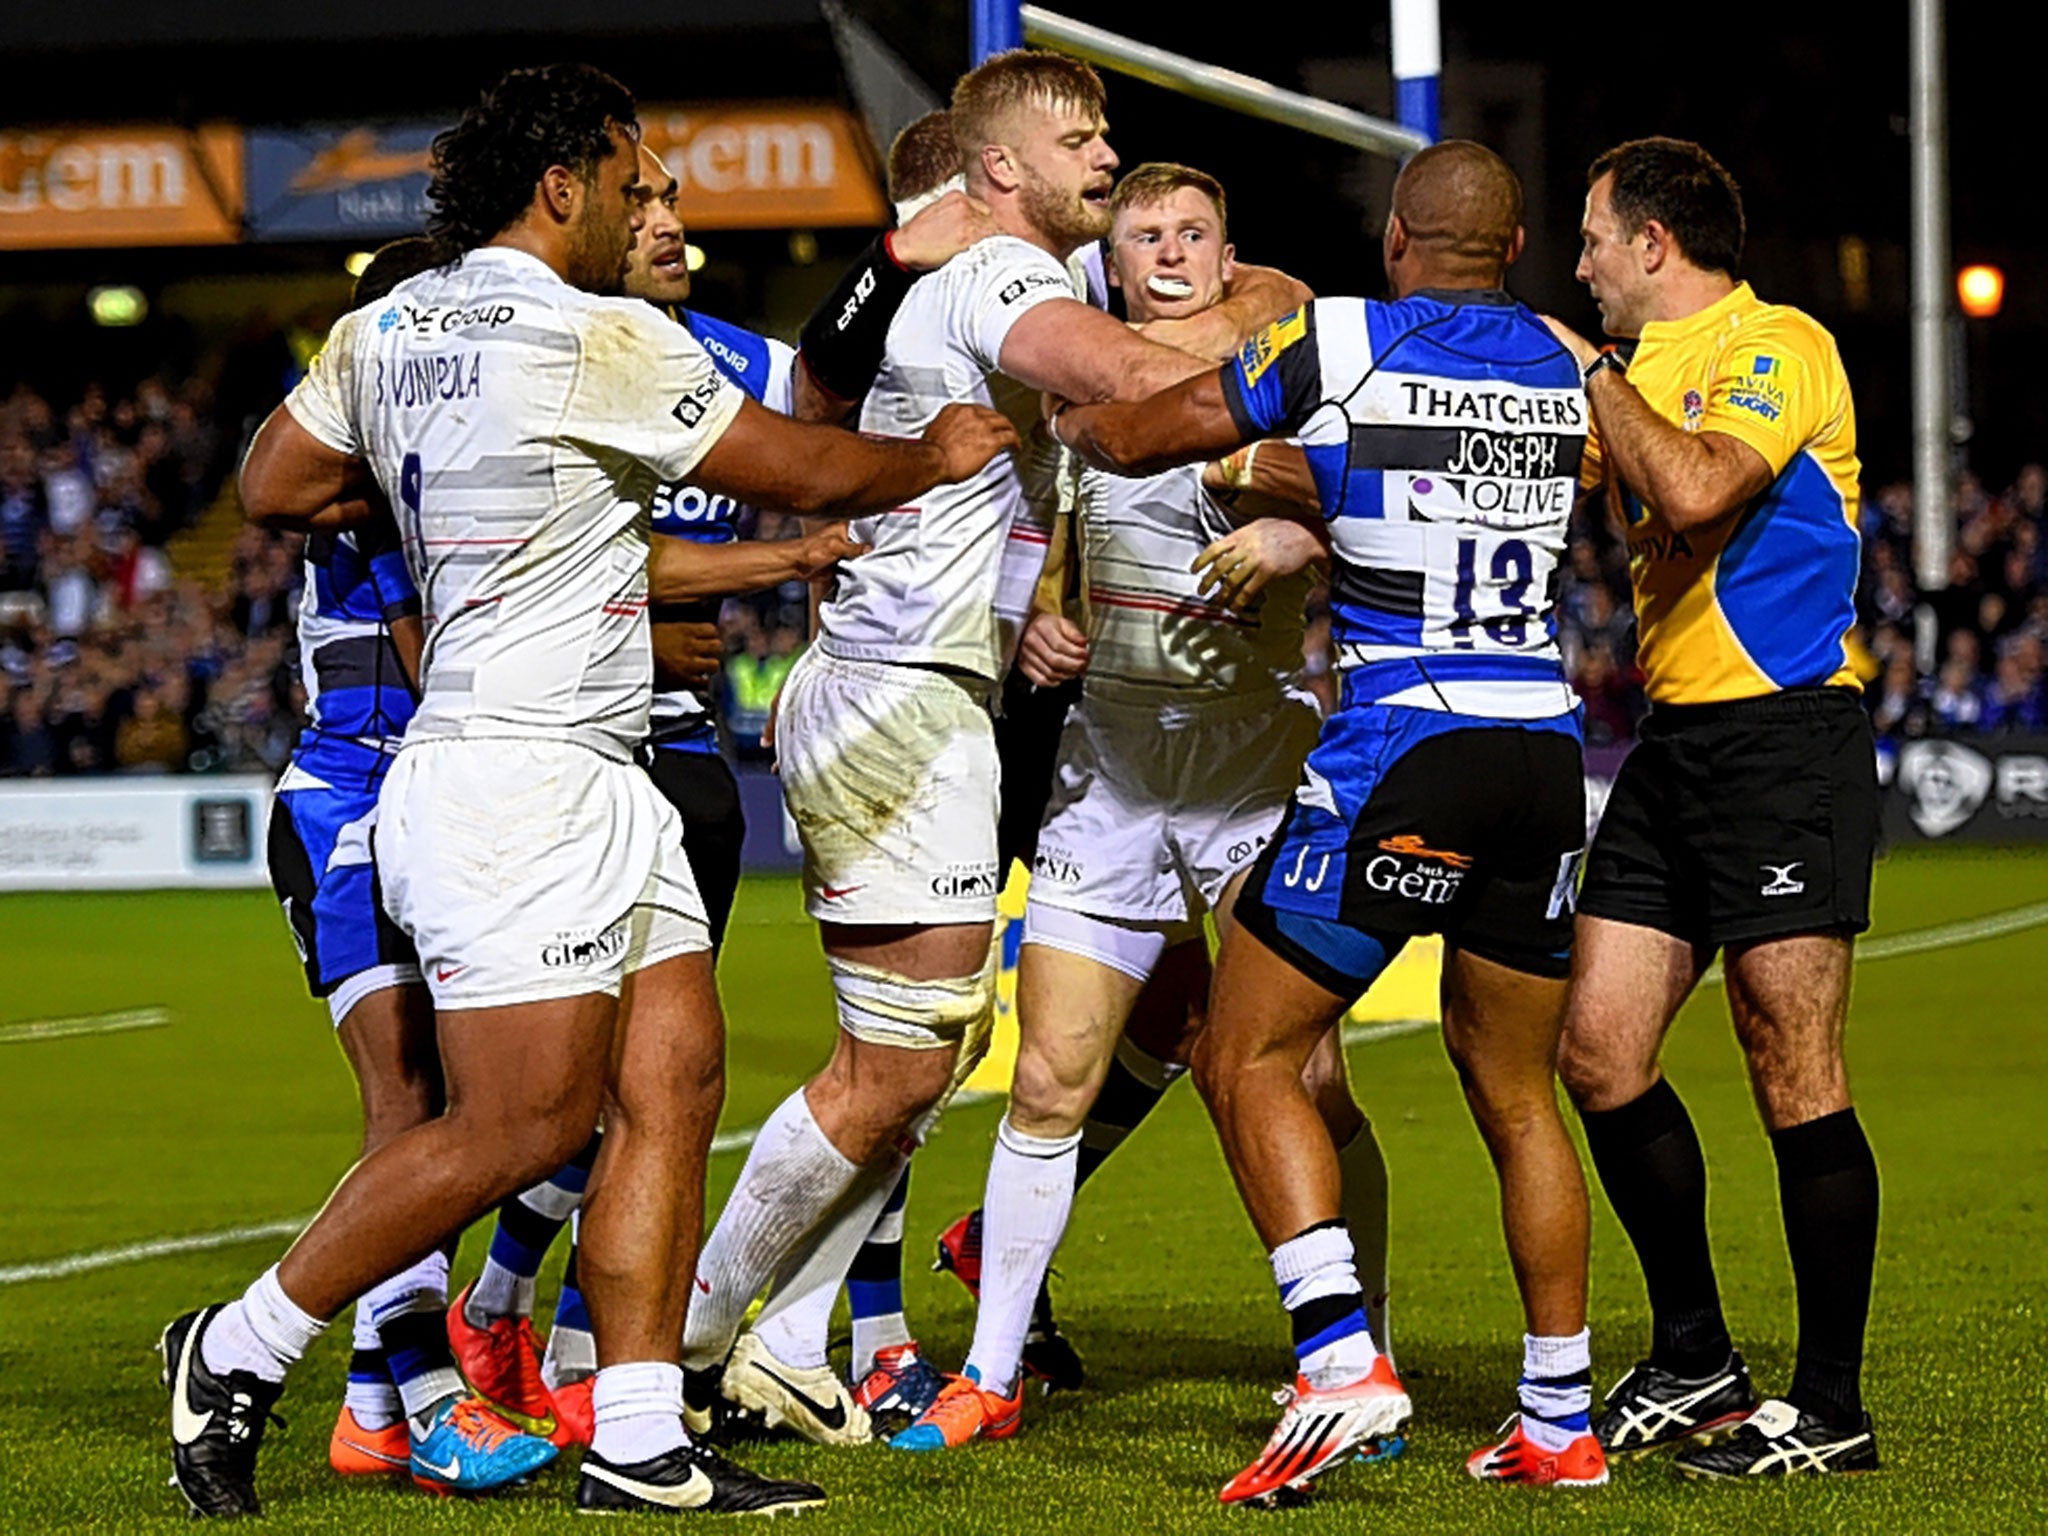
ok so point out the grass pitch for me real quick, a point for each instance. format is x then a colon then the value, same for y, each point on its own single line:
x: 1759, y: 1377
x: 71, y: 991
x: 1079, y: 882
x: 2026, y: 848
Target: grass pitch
x: 240, y: 1111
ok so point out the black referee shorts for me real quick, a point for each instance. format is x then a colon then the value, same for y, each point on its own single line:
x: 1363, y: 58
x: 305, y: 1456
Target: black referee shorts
x: 1753, y: 819
x: 706, y: 795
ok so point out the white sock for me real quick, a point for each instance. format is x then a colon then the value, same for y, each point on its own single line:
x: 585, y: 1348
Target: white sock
x: 796, y: 1321
x: 1556, y: 1389
x: 498, y: 1292
x: 373, y: 1400
x: 793, y: 1176
x: 1364, y: 1206
x: 265, y: 1332
x: 1319, y: 1267
x: 881, y: 1330
x: 638, y: 1410
x: 1023, y: 1217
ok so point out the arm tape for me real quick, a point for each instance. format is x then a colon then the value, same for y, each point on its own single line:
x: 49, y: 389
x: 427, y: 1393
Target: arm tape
x: 843, y: 340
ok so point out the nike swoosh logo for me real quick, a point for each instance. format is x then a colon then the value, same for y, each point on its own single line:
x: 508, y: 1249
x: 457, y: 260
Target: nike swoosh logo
x: 376, y: 1455
x: 704, y: 1286
x: 448, y: 972
x: 450, y: 1472
x: 187, y: 1426
x: 694, y: 1493
x: 836, y: 1419
x: 831, y: 893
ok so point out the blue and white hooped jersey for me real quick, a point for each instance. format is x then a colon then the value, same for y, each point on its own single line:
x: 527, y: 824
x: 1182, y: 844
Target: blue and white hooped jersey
x: 1444, y: 432
x: 355, y: 687
x: 764, y: 368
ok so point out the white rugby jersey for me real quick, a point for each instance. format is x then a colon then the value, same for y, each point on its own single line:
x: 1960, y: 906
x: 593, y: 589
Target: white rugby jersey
x: 948, y: 580
x: 523, y: 425
x: 1149, y: 625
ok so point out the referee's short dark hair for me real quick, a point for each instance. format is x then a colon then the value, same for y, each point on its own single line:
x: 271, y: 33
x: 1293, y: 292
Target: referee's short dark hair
x: 1682, y: 187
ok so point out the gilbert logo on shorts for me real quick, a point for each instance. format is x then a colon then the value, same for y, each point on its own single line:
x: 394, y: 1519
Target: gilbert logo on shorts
x: 1781, y: 882
x: 1410, y: 868
x: 965, y: 880
x: 567, y: 950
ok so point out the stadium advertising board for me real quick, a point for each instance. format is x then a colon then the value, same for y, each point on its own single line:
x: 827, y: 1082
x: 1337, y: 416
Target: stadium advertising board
x: 1990, y: 790
x: 134, y: 834
x: 62, y: 188
x: 781, y: 165
x: 338, y: 182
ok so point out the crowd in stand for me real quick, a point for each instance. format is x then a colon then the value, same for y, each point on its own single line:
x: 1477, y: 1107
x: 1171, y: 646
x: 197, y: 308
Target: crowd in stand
x: 109, y: 660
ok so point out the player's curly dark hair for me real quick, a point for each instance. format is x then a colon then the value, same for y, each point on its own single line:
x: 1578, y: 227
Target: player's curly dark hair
x: 486, y: 167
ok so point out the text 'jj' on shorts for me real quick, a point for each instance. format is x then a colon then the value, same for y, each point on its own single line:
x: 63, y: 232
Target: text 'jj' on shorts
x: 1735, y: 822
x: 889, y: 773
x: 1155, y: 808
x: 527, y: 871
x: 1411, y: 821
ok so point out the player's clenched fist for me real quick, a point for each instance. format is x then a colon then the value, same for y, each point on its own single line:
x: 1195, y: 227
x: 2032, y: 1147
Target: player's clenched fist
x: 818, y: 552
x: 968, y: 436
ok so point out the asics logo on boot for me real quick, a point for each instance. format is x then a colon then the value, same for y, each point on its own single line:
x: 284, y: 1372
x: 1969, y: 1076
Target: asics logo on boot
x: 833, y: 1418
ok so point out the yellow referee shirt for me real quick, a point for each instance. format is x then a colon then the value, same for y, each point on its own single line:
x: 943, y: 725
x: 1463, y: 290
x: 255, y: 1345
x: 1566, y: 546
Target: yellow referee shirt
x: 1764, y: 598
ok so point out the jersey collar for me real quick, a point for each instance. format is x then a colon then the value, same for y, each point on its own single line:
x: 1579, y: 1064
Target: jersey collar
x: 1495, y: 296
x: 1723, y: 312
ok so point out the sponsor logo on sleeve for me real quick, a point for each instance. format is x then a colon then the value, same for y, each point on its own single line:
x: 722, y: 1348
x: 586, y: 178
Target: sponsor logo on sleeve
x: 691, y: 408
x: 1262, y: 349
x: 1017, y: 287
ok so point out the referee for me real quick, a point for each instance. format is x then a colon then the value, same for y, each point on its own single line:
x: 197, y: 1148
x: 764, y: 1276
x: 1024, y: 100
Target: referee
x: 1746, y: 817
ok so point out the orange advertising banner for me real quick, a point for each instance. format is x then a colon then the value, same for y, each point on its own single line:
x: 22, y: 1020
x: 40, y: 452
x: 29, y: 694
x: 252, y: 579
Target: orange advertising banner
x: 143, y: 184
x: 767, y: 165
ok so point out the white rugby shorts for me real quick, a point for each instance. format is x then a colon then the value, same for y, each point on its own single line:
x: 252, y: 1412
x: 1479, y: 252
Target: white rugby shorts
x: 890, y: 774
x: 1156, y: 806
x: 531, y: 870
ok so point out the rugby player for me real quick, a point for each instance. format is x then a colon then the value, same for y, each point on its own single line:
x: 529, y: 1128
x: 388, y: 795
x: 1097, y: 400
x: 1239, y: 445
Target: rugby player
x: 1443, y: 430
x: 523, y: 420
x: 1173, y: 772
x: 697, y: 558
x: 883, y: 736
x: 406, y: 1409
x: 1744, y: 821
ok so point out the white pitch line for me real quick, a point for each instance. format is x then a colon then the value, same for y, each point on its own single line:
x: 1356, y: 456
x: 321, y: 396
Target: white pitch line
x: 1944, y: 936
x: 84, y: 1024
x: 1969, y: 930
x: 154, y: 1248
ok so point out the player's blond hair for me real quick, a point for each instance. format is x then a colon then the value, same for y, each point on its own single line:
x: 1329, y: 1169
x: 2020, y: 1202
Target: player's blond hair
x: 1157, y: 180
x: 923, y: 157
x: 989, y: 95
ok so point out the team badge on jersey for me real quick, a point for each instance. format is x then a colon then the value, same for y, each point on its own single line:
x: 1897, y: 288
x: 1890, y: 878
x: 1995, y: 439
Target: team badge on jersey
x: 1695, y: 408
x: 1276, y: 338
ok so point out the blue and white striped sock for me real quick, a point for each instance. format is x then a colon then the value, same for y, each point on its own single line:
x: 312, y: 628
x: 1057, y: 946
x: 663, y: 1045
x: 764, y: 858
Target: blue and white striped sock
x: 572, y: 1346
x: 408, y: 1310
x: 372, y: 1396
x: 1556, y: 1388
x: 874, y: 1285
x: 527, y: 1224
x: 1318, y: 1278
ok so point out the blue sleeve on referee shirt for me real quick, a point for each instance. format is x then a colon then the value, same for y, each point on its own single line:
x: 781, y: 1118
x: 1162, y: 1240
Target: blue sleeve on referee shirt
x: 1275, y: 382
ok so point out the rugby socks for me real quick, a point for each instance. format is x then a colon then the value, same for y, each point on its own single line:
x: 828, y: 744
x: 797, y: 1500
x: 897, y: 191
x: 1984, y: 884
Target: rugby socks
x: 1556, y: 1389
x: 1827, y: 1189
x: 1318, y: 1278
x: 1364, y: 1208
x: 874, y: 1286
x: 264, y: 1333
x: 410, y: 1311
x: 1031, y: 1182
x: 793, y: 1325
x: 527, y: 1225
x: 792, y: 1177
x: 1649, y: 1160
x: 638, y: 1411
x: 572, y: 1345
x: 1137, y: 1081
x: 372, y: 1397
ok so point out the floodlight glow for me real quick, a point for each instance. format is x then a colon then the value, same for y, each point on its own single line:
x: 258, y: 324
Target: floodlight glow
x: 358, y: 262
x: 119, y: 305
x: 1981, y: 291
x: 693, y: 257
